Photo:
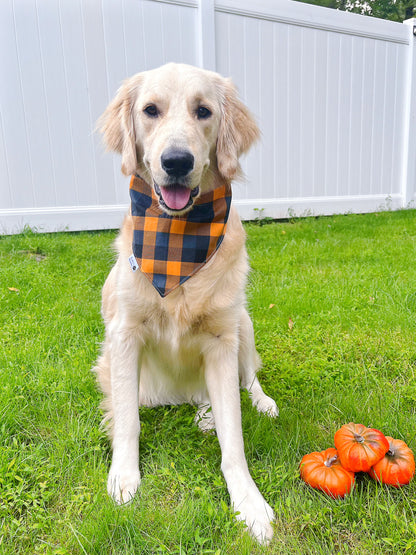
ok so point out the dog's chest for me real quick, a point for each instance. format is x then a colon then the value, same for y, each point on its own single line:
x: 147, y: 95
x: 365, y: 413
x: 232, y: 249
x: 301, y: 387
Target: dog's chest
x: 173, y: 325
x: 172, y: 355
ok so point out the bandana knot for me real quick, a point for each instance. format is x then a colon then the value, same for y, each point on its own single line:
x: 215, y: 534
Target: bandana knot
x: 171, y: 249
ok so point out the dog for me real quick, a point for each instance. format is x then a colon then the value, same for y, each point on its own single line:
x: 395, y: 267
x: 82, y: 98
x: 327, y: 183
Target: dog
x: 173, y: 339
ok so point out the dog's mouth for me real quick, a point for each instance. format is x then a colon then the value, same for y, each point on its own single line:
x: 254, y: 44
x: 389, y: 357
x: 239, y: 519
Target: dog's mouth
x: 176, y: 198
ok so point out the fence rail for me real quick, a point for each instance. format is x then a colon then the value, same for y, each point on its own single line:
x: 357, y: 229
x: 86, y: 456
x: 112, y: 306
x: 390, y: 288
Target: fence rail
x: 334, y: 94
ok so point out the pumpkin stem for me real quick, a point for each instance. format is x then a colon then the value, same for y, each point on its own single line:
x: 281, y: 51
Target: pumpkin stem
x: 359, y: 438
x: 390, y: 452
x: 329, y: 462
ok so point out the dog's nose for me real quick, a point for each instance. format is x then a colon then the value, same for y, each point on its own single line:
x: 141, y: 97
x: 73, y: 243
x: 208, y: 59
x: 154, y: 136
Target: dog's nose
x: 177, y: 163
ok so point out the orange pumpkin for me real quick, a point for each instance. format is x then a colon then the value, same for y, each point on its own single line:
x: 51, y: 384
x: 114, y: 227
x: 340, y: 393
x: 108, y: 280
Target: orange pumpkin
x: 323, y: 471
x: 360, y: 448
x: 397, y: 467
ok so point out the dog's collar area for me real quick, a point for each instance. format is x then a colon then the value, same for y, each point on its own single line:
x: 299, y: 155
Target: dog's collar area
x: 169, y: 249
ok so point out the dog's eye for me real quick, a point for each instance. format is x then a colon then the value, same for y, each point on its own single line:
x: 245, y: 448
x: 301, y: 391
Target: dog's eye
x: 151, y: 111
x: 203, y: 113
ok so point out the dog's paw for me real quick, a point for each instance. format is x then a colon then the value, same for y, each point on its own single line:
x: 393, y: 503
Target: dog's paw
x: 122, y: 485
x: 265, y: 404
x: 258, y: 515
x: 205, y: 419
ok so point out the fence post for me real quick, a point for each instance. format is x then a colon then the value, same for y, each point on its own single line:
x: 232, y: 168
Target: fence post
x: 409, y: 151
x: 206, y: 34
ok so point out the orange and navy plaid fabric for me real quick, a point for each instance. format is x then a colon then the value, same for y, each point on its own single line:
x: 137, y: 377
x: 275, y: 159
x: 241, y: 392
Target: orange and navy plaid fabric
x: 169, y: 249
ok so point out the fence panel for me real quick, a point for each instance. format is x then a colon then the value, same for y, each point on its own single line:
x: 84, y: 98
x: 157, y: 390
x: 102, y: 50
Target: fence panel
x: 328, y: 93
x: 60, y: 63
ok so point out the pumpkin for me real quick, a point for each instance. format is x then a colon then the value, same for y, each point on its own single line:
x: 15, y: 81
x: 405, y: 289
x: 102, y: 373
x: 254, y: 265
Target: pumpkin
x: 397, y: 467
x: 360, y: 448
x: 323, y: 471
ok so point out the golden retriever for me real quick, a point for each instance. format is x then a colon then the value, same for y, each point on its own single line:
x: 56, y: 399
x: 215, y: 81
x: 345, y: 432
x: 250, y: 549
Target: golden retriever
x: 181, y: 129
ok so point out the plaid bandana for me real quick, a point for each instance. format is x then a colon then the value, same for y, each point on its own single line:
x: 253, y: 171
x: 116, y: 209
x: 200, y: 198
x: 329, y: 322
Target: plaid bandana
x: 169, y: 249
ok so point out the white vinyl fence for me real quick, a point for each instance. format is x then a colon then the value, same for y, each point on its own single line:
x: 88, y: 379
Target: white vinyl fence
x: 334, y: 94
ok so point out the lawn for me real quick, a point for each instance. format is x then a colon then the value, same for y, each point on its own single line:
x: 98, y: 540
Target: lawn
x: 333, y: 302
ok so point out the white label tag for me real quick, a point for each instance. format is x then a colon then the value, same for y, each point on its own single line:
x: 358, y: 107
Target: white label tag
x: 133, y: 263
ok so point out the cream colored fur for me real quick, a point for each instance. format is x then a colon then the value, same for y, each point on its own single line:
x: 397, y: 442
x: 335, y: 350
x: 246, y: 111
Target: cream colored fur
x: 196, y: 345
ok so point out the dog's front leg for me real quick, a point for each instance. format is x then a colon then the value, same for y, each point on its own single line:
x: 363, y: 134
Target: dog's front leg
x: 124, y: 475
x: 221, y: 375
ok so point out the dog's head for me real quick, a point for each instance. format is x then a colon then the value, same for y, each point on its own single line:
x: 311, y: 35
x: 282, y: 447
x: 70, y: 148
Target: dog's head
x: 179, y: 127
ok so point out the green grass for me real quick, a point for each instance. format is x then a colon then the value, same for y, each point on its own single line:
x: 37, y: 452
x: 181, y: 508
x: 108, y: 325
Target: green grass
x: 347, y: 287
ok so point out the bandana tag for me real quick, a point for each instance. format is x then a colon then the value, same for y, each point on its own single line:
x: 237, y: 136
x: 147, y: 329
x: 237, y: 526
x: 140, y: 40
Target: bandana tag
x: 133, y: 263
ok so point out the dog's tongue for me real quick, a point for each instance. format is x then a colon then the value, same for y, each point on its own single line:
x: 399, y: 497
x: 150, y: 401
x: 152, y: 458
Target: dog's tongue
x: 176, y: 197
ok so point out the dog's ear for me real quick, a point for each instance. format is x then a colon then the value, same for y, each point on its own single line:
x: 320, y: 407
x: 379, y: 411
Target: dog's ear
x: 117, y: 124
x: 237, y: 132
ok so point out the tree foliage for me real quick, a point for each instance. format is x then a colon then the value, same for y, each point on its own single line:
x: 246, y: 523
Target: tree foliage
x: 395, y: 10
